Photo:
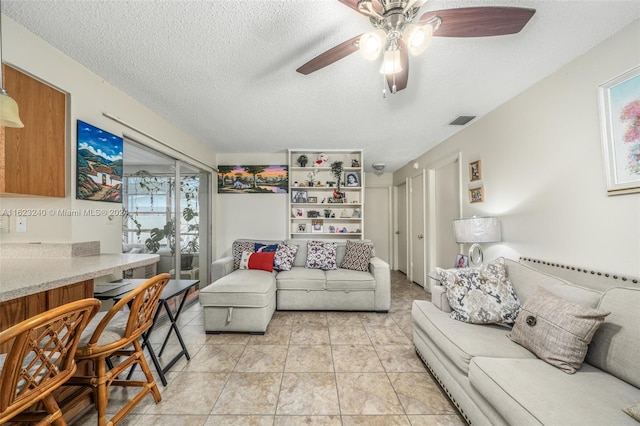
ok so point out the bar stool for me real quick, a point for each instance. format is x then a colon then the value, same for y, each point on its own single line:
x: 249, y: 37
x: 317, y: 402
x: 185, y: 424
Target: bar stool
x: 112, y: 334
x: 40, y: 360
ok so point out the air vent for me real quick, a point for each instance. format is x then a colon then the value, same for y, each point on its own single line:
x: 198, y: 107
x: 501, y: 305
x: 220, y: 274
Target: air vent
x: 461, y: 120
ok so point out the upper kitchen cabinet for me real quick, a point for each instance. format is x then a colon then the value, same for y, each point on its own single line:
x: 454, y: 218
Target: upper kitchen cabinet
x: 32, y: 159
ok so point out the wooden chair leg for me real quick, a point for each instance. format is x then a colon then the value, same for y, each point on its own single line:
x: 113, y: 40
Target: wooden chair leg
x: 144, y: 366
x: 101, y: 390
x: 55, y: 415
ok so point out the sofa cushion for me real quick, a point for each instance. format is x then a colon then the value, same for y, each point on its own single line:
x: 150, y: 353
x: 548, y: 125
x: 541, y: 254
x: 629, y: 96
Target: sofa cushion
x: 259, y: 247
x: 300, y: 278
x: 241, y: 288
x: 461, y: 341
x: 262, y: 261
x: 357, y: 256
x: 238, y: 248
x: 285, y: 255
x: 526, y: 391
x: 321, y: 255
x: 480, y: 295
x: 346, y: 279
x: 615, y: 347
x: 556, y: 330
x: 525, y: 280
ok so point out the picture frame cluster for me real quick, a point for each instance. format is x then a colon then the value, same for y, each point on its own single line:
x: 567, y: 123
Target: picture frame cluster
x: 476, y: 193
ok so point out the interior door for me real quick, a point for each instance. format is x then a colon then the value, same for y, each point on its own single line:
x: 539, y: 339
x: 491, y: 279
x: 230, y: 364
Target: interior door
x: 417, y: 230
x: 402, y: 230
x: 447, y: 208
x: 377, y: 220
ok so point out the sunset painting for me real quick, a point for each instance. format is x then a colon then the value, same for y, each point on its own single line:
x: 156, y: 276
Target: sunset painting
x: 253, y: 179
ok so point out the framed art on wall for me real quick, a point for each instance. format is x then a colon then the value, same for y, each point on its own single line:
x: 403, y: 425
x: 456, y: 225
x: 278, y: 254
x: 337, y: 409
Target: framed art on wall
x: 476, y: 195
x: 259, y: 179
x: 620, y: 127
x: 475, y: 171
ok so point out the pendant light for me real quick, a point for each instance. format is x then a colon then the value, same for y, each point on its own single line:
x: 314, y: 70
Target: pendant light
x: 9, y: 115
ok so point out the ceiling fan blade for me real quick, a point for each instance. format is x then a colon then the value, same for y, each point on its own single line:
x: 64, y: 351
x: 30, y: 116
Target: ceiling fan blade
x: 479, y: 21
x: 402, y: 78
x: 332, y: 55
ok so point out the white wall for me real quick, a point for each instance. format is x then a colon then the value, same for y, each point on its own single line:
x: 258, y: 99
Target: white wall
x: 543, y: 172
x: 88, y: 97
x: 378, y: 213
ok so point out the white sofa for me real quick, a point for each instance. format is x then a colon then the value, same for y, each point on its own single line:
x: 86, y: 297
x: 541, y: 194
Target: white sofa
x: 244, y: 300
x: 494, y: 381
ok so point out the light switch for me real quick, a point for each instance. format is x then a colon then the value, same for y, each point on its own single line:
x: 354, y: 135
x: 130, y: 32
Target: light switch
x: 21, y: 224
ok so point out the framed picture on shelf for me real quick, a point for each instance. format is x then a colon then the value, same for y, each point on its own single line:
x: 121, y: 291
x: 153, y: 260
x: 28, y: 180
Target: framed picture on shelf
x: 351, y: 179
x: 462, y: 261
x: 298, y: 196
x: 302, y: 227
x: 620, y: 128
x: 475, y: 171
x: 317, y: 226
x: 476, y: 195
x: 312, y: 199
x: 296, y: 212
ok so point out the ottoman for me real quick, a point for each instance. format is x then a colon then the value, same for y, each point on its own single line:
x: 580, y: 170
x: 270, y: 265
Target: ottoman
x: 242, y: 301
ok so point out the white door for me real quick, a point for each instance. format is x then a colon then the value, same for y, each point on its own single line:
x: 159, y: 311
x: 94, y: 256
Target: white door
x: 417, y: 230
x: 377, y: 220
x: 447, y: 208
x: 402, y: 230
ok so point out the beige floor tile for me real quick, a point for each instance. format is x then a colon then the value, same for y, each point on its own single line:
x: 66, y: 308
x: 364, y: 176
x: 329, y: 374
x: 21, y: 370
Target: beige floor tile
x: 343, y: 318
x: 190, y: 393
x: 376, y: 319
x: 216, y: 358
x: 348, y: 335
x: 392, y: 335
x: 367, y: 393
x: 308, y: 420
x: 262, y: 359
x: 276, y: 334
x: 304, y: 358
x: 399, y: 358
x: 419, y: 394
x: 249, y: 393
x: 310, y: 335
x: 437, y: 420
x: 375, y: 420
x: 308, y: 394
x: 282, y: 318
x: 356, y: 359
x: 170, y: 420
x: 310, y: 318
x: 228, y: 339
x: 222, y: 420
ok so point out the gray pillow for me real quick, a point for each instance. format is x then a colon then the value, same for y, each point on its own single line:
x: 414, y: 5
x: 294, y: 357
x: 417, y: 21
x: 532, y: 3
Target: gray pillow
x: 556, y: 330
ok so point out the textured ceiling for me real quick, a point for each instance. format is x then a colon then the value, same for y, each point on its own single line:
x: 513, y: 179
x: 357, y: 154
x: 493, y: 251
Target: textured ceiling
x: 224, y: 71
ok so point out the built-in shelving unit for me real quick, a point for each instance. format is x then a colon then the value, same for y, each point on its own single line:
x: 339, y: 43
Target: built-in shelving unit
x: 316, y: 207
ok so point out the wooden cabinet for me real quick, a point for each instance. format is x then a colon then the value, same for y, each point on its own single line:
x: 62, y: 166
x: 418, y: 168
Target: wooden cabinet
x: 316, y: 208
x: 32, y: 159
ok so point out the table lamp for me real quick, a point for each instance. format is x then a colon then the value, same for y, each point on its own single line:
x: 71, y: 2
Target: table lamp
x: 476, y: 230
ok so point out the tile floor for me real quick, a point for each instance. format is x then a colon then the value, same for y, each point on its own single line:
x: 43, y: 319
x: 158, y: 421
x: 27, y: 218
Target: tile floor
x: 324, y: 368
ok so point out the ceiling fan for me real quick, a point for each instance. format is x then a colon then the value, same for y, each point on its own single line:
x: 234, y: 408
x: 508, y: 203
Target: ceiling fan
x: 396, y: 35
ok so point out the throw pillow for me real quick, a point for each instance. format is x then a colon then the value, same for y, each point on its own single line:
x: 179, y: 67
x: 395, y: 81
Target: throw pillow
x: 284, y: 257
x: 238, y: 248
x: 556, y: 330
x: 321, y: 255
x: 357, y: 256
x: 259, y: 248
x: 633, y: 411
x: 261, y: 261
x: 481, y: 295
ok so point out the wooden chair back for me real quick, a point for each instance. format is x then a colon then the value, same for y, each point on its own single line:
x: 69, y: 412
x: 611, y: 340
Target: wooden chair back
x: 41, y: 355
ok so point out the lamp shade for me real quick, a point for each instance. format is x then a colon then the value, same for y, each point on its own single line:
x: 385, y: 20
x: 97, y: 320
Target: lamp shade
x: 477, y: 230
x: 9, y: 116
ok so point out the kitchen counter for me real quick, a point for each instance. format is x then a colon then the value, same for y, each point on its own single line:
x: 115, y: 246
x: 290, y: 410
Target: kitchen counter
x: 23, y: 276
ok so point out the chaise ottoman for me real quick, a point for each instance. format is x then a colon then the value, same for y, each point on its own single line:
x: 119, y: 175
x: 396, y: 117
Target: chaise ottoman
x: 243, y: 301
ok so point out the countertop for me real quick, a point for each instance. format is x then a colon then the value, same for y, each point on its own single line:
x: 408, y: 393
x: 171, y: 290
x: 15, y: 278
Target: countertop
x: 22, y: 276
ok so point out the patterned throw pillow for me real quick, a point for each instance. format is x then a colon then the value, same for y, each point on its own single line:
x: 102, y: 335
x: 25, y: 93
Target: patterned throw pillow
x: 357, y: 256
x: 238, y: 248
x: 482, y: 295
x: 285, y: 255
x: 321, y: 255
x: 261, y: 248
x: 556, y: 330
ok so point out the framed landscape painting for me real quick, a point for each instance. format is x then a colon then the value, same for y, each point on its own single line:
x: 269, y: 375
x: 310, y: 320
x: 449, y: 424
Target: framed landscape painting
x: 253, y: 179
x: 620, y: 125
x: 99, y: 164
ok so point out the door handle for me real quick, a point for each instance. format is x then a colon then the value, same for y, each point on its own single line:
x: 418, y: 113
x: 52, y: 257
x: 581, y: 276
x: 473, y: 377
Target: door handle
x: 420, y: 236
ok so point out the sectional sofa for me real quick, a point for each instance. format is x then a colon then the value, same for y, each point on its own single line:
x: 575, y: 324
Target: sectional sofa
x: 495, y: 381
x: 243, y: 299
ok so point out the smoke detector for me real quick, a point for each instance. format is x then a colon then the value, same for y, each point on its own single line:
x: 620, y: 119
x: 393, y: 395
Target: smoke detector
x: 378, y: 168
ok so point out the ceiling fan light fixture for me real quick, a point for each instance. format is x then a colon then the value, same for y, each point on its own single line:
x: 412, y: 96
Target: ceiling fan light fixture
x: 371, y: 44
x: 391, y: 62
x: 9, y: 115
x: 417, y: 37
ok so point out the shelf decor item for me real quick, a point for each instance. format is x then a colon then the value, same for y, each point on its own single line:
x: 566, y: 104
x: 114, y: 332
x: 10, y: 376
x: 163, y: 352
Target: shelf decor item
x: 303, y: 160
x: 620, y: 127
